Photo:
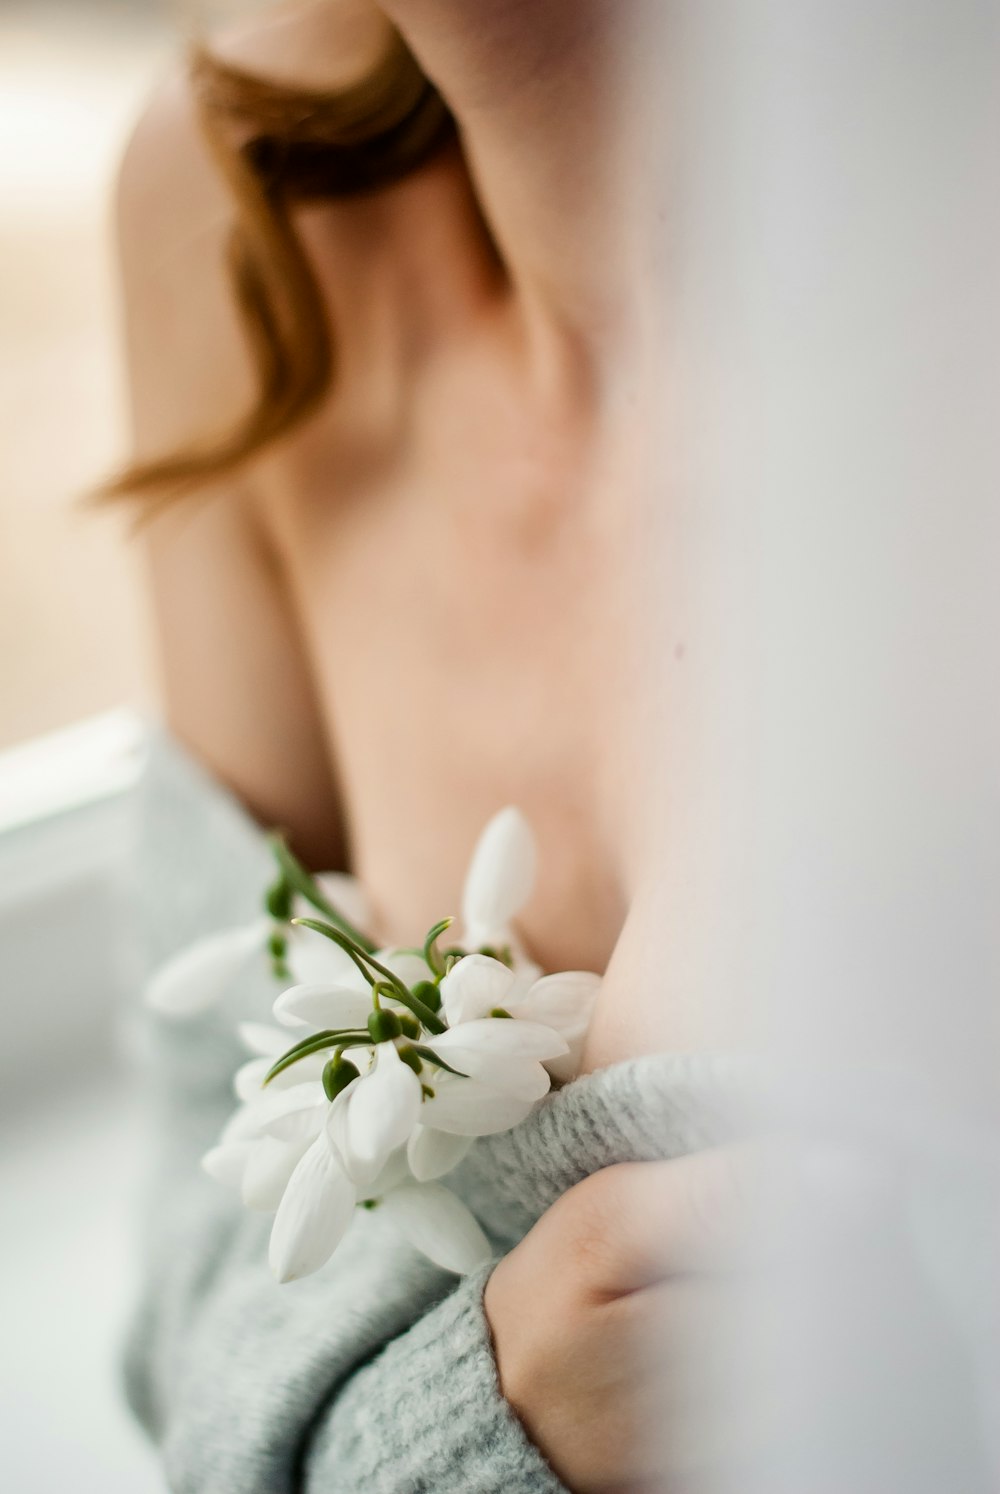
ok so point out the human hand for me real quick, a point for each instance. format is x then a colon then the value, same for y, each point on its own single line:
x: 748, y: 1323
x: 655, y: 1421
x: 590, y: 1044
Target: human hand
x: 635, y: 1260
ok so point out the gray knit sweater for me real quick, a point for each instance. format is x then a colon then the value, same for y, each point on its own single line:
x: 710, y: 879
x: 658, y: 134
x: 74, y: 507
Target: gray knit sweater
x: 376, y: 1374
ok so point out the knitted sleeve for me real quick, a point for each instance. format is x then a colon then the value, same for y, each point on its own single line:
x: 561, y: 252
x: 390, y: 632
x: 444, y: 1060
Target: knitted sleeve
x: 376, y: 1375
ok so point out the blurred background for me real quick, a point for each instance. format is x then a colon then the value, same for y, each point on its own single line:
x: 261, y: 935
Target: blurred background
x: 75, y: 676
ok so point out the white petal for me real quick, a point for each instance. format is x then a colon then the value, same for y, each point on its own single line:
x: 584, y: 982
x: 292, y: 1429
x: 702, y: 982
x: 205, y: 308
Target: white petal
x: 433, y: 1153
x: 315, y: 960
x: 501, y: 874
x: 438, y: 1225
x: 498, y: 1035
x: 465, y: 1107
x: 314, y: 1212
x: 342, y: 1005
x: 249, y: 1078
x: 273, y: 1106
x: 263, y: 1039
x: 346, y: 894
x: 383, y: 1108
x: 395, y: 1171
x: 306, y: 1122
x: 410, y: 967
x: 564, y: 1001
x: 523, y: 1077
x: 227, y: 1162
x: 362, y: 1174
x: 566, y: 1068
x: 475, y: 987
x: 199, y: 975
x: 268, y: 1170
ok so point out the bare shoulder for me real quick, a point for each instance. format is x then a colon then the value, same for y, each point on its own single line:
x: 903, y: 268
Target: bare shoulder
x: 236, y: 681
x: 187, y: 360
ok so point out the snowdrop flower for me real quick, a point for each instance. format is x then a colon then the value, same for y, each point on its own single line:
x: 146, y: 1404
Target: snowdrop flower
x: 398, y: 1059
x: 343, y: 999
x: 438, y: 1224
x: 499, y: 881
x: 198, y: 976
x: 319, y: 1200
x: 564, y: 1003
x: 375, y: 1114
x: 264, y: 1139
x: 267, y: 1044
x: 314, y: 961
x: 315, y: 1210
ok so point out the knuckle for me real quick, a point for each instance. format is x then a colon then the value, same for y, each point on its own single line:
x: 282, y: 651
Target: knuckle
x: 596, y: 1227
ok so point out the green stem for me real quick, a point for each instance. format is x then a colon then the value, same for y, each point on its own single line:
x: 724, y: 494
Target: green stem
x: 315, y: 1044
x: 404, y: 995
x: 301, y: 882
x: 431, y: 956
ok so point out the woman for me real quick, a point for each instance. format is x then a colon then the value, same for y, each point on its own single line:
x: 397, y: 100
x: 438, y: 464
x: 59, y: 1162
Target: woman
x: 406, y: 589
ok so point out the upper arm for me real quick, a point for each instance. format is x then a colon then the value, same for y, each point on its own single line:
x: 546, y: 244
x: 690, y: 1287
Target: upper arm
x: 236, y: 681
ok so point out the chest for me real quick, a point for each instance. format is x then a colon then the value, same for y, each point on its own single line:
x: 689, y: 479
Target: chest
x: 469, y: 601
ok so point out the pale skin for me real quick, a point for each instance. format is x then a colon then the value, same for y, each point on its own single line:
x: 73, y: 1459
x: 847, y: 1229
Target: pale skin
x: 423, y: 605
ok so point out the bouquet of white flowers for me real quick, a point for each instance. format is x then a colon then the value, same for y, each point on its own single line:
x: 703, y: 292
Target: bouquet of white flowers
x: 385, y: 1064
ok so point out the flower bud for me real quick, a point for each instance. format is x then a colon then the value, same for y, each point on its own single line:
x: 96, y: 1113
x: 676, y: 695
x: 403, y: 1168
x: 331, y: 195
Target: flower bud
x: 409, y: 1025
x: 427, y: 992
x: 278, y: 947
x: 337, y: 1075
x: 383, y: 1026
x: 279, y: 900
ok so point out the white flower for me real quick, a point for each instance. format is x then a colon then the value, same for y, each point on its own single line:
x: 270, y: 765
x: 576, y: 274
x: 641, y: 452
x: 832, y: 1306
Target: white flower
x: 499, y: 880
x: 264, y: 1140
x: 318, y: 1203
x: 375, y: 1114
x: 200, y: 974
x: 463, y: 1108
x: 565, y: 1002
x: 502, y: 1053
x: 416, y: 1097
x: 432, y: 1153
x: 437, y: 1224
x: 344, y: 999
x: 479, y: 985
x: 315, y: 1211
x: 499, y: 1057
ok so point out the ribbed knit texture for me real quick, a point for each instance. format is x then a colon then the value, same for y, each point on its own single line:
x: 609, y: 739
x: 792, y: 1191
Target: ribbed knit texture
x: 375, y: 1376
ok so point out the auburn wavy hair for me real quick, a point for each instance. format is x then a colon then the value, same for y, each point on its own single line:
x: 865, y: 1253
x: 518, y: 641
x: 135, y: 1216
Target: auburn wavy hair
x: 276, y: 146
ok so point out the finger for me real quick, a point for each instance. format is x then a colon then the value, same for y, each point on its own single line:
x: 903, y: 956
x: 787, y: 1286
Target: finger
x: 724, y: 1209
x: 644, y: 1221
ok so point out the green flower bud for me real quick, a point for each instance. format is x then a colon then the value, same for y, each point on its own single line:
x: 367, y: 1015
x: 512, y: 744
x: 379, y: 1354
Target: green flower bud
x: 383, y: 1026
x: 498, y: 1011
x: 410, y: 1026
x: 427, y: 992
x: 411, y: 1058
x: 278, y: 947
x: 279, y: 900
x: 337, y: 1075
